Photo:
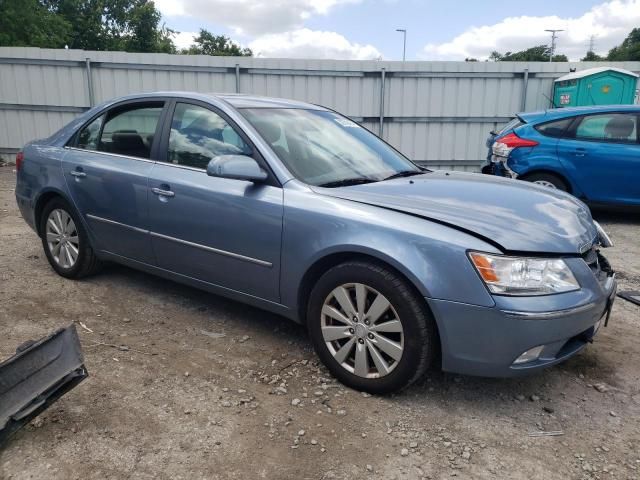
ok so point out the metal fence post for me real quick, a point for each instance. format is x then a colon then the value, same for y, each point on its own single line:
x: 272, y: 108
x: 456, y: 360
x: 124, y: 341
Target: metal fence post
x: 237, y: 78
x: 381, y: 126
x: 525, y: 83
x: 89, y: 82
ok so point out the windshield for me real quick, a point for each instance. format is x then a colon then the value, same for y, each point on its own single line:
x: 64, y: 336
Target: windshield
x: 326, y: 149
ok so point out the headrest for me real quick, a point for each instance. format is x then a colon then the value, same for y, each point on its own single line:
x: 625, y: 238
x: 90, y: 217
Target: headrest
x: 270, y: 131
x: 620, y: 126
x: 126, y: 140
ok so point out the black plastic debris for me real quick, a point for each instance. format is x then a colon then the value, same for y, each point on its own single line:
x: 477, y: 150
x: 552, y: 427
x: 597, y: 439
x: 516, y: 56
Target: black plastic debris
x: 630, y: 296
x: 36, y: 376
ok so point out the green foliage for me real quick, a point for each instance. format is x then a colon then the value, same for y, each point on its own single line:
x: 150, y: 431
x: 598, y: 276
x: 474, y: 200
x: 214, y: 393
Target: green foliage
x: 539, y: 53
x: 592, y: 57
x: 629, y: 49
x: 130, y: 25
x: 533, y: 54
x: 206, y: 43
x: 495, y: 56
x: 30, y: 23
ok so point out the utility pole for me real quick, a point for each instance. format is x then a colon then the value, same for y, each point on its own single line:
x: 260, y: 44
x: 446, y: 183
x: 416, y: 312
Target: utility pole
x: 592, y: 43
x: 553, y: 42
x: 404, y: 42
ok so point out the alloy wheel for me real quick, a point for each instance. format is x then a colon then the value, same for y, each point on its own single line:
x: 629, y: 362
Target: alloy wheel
x: 62, y: 238
x: 362, y: 330
x: 545, y: 183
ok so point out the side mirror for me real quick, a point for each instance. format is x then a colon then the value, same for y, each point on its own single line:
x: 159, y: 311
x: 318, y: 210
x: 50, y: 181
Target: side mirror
x: 237, y: 167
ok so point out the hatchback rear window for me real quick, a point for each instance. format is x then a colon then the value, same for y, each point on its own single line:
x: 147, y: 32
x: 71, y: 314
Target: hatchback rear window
x: 554, y: 129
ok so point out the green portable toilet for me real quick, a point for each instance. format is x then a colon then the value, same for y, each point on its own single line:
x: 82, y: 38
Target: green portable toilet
x: 595, y: 86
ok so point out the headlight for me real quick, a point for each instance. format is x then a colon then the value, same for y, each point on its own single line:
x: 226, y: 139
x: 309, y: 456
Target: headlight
x: 524, y: 276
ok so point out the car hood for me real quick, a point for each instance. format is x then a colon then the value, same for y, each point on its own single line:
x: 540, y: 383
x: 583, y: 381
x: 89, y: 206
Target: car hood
x: 514, y: 215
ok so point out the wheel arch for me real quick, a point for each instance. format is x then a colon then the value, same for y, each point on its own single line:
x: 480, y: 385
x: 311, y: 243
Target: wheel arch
x: 43, y: 199
x: 329, y: 260
x: 549, y: 171
x: 326, y: 262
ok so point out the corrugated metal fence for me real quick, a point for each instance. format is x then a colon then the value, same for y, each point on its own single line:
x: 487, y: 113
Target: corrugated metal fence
x: 434, y: 112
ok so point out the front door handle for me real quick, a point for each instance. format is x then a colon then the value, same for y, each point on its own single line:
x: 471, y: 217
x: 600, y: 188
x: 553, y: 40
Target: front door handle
x: 163, y: 193
x: 580, y: 152
x: 78, y: 174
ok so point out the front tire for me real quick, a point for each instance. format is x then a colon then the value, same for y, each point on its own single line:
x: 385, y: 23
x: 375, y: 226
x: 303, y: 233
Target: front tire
x: 370, y: 327
x: 65, y: 241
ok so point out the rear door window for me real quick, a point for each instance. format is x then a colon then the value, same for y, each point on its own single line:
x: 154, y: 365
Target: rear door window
x: 130, y: 131
x: 610, y: 127
x: 89, y: 136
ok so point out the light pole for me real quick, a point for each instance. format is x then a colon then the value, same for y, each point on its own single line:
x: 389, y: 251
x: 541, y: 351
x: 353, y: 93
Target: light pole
x: 553, y: 42
x: 404, y: 42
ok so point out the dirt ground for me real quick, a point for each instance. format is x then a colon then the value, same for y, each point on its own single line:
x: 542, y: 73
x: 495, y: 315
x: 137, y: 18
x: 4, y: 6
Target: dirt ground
x: 184, y: 402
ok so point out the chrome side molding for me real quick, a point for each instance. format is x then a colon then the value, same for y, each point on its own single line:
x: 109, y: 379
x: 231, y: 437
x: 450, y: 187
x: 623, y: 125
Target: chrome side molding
x: 226, y: 253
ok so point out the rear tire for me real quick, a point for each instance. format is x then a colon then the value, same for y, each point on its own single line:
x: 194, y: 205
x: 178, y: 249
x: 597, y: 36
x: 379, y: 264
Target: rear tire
x: 547, y: 180
x: 389, y: 347
x: 65, y: 241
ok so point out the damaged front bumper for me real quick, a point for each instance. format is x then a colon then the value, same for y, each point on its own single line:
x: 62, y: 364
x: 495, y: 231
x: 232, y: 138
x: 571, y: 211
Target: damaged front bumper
x: 36, y: 376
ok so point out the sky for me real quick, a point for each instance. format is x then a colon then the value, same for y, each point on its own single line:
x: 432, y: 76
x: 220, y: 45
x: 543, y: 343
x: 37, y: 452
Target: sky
x: 436, y: 30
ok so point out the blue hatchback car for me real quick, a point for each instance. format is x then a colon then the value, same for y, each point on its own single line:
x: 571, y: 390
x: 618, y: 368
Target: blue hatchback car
x: 591, y: 152
x: 296, y: 209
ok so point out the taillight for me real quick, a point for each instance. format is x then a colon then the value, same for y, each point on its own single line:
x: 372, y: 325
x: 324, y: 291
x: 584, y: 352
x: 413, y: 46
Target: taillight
x: 19, y: 159
x: 505, y: 145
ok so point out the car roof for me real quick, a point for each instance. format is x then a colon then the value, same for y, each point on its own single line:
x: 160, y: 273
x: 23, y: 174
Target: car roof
x: 553, y: 113
x: 239, y: 100
x: 236, y: 100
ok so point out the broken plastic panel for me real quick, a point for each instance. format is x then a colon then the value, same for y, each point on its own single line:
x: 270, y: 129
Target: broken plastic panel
x: 36, y: 376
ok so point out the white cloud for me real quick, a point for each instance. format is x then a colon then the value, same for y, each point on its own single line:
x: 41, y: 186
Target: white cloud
x: 251, y: 17
x: 305, y: 43
x: 184, y: 39
x: 610, y: 22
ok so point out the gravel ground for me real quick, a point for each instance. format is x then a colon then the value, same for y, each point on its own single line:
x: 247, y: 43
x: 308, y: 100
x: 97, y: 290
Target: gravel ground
x: 210, y: 388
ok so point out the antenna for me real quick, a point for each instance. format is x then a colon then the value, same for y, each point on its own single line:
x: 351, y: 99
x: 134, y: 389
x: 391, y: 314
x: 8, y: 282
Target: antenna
x: 553, y: 42
x: 550, y: 100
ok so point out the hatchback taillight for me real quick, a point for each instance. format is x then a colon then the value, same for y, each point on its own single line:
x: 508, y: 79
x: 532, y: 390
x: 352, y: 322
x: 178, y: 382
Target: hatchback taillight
x: 19, y: 159
x: 505, y: 145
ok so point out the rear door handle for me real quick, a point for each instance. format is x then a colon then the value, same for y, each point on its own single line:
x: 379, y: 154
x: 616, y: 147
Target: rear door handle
x: 580, y: 152
x: 163, y: 193
x: 78, y: 174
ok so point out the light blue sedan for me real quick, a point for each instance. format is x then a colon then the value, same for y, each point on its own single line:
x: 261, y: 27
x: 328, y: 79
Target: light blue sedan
x: 296, y: 209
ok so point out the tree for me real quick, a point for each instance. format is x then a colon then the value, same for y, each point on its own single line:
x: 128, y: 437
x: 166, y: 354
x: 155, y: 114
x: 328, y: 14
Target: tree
x: 144, y: 33
x: 470, y: 59
x: 30, y: 23
x: 495, y: 56
x: 131, y: 25
x: 206, y: 43
x: 533, y: 54
x: 629, y: 49
x: 592, y: 57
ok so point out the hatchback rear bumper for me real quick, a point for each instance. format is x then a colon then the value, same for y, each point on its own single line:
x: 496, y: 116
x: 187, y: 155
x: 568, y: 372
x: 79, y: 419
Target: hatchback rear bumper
x: 487, y: 341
